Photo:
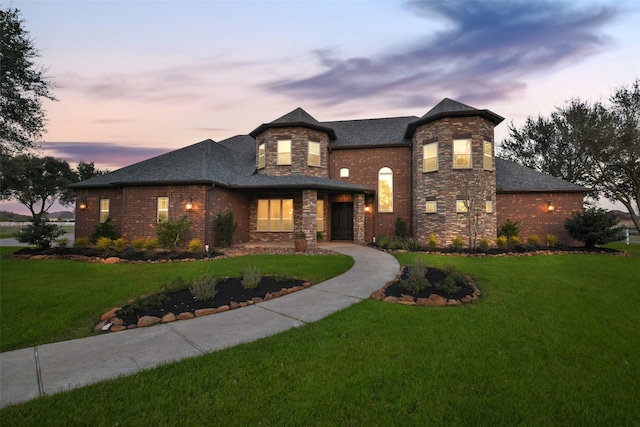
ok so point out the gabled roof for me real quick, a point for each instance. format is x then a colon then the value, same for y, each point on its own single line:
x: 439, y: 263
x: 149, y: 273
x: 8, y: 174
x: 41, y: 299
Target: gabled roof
x: 297, y: 117
x: 450, y: 108
x: 514, y: 178
x: 370, y: 132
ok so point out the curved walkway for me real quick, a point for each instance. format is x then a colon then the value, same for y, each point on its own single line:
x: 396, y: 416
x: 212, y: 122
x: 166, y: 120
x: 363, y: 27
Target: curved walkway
x: 46, y: 369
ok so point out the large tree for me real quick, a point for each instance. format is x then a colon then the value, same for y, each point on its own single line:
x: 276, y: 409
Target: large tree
x: 596, y: 145
x: 23, y: 86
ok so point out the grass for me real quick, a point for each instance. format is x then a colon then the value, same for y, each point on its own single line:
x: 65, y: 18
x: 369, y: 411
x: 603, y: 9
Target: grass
x: 553, y: 341
x: 9, y: 231
x: 632, y: 249
x: 54, y: 300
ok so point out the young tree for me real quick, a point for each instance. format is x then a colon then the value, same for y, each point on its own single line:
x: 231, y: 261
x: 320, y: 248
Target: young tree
x: 594, y: 226
x: 476, y: 190
x: 597, y: 146
x: 23, y: 85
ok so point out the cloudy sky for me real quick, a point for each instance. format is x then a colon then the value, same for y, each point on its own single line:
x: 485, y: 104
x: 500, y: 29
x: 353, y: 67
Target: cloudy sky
x: 138, y: 78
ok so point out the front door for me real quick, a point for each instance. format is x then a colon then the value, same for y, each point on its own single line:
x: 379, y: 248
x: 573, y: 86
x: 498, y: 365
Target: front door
x: 342, y: 221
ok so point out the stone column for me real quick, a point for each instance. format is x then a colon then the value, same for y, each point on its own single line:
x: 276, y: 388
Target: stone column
x: 358, y: 219
x: 309, y: 211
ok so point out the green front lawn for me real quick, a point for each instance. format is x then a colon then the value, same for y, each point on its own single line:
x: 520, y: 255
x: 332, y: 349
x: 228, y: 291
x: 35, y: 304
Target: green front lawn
x: 54, y: 300
x: 553, y: 341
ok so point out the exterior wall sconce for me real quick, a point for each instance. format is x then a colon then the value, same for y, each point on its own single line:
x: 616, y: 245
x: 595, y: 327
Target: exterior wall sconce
x: 82, y: 204
x: 367, y: 208
x: 550, y: 206
x: 189, y: 205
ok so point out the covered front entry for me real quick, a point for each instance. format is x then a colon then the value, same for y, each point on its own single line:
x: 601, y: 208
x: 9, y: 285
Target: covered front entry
x: 342, y: 221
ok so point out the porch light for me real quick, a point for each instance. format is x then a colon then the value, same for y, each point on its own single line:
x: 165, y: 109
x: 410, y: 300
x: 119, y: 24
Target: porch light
x: 550, y: 206
x: 367, y: 208
x: 82, y: 204
x: 189, y: 205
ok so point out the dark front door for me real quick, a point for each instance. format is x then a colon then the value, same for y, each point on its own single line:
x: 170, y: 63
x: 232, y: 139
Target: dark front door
x: 342, y: 221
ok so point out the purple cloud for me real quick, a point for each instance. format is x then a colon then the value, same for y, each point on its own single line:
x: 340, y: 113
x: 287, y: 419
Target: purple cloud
x: 103, y: 154
x: 483, y: 55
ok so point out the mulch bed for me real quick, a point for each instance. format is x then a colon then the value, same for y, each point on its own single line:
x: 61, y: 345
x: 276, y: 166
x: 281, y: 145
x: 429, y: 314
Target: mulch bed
x: 80, y: 253
x: 434, y: 275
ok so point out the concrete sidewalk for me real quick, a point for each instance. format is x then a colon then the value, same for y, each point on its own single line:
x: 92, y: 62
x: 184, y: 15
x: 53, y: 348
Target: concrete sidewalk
x: 31, y: 372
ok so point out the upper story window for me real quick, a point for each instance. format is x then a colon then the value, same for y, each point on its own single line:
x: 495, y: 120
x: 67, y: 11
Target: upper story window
x: 344, y: 172
x: 385, y: 190
x: 431, y: 206
x: 261, y: 156
x: 320, y: 215
x: 430, y: 157
x: 462, y: 206
x: 488, y: 206
x: 314, y: 153
x: 462, y: 154
x: 163, y: 209
x: 275, y: 215
x: 284, y: 152
x: 104, y: 209
x: 487, y: 158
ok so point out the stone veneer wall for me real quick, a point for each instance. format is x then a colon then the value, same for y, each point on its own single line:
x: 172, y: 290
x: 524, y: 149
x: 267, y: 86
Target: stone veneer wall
x: 309, y: 215
x: 299, y: 137
x: 447, y: 184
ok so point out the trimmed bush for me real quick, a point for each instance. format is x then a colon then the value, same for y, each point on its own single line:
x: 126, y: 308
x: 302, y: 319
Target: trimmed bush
x: 81, y: 242
x: 401, y: 228
x: 137, y: 244
x: 104, y: 243
x: 195, y: 245
x: 225, y: 227
x: 513, y: 240
x: 251, y: 277
x: 509, y: 229
x: 171, y: 233
x: 594, y: 227
x: 484, y: 244
x: 104, y: 229
x: 151, y: 244
x: 433, y: 242
x: 63, y: 242
x: 457, y: 243
x: 533, y: 240
x: 501, y: 242
x: 204, y: 289
x: 552, y: 240
x: 120, y: 244
x: 417, y: 280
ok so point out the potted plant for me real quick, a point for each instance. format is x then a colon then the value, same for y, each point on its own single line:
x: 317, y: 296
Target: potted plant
x: 300, y: 241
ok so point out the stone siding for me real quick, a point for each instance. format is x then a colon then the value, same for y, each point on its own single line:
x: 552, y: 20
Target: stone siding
x: 299, y: 136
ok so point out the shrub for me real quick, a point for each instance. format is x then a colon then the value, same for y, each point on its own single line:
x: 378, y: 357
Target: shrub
x: 150, y: 302
x: 171, y: 233
x: 416, y: 280
x: 137, y: 244
x: 457, y: 243
x: 432, y: 243
x: 509, y: 229
x: 513, y: 240
x: 81, y: 241
x: 533, y: 240
x: 204, y: 288
x: 319, y: 236
x: 552, y: 240
x: 39, y: 233
x: 63, y: 242
x: 104, y: 229
x: 151, y: 243
x: 120, y: 244
x: 401, y: 228
x: 177, y: 284
x: 501, y: 242
x: 104, y: 243
x: 594, y: 227
x: 225, y: 227
x: 386, y: 242
x: 195, y: 245
x: 409, y: 244
x: 251, y: 277
x: 484, y: 244
x: 453, y: 283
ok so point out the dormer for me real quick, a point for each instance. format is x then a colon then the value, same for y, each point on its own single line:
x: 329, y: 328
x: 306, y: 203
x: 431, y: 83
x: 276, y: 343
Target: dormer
x: 295, y: 143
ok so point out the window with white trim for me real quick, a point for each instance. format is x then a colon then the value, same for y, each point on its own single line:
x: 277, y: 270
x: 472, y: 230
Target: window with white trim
x: 462, y: 206
x: 104, y: 209
x: 431, y: 206
x: 261, y: 156
x: 385, y: 190
x: 284, y: 152
x: 163, y: 209
x: 487, y: 158
x: 275, y: 215
x: 430, y: 157
x: 462, y: 154
x: 320, y: 215
x: 344, y: 172
x: 314, y: 153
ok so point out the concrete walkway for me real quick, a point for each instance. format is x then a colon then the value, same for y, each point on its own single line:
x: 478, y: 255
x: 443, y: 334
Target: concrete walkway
x: 46, y: 369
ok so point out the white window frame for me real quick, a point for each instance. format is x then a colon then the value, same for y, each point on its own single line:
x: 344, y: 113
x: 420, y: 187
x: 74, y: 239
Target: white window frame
x: 425, y: 159
x: 262, y: 153
x: 462, y: 206
x: 462, y: 159
x: 431, y: 206
x: 163, y: 209
x: 385, y: 174
x: 104, y: 210
x: 344, y: 172
x: 313, y: 156
x: 284, y: 152
x: 487, y: 155
x: 279, y: 215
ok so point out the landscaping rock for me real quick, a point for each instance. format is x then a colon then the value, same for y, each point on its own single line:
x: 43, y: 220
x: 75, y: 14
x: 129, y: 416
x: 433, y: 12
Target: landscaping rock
x: 234, y: 305
x: 268, y: 297
x: 390, y: 299
x: 438, y: 300
x: 186, y: 315
x: 168, y: 318
x: 99, y: 326
x: 257, y: 300
x: 145, y: 321
x: 111, y: 260
x: 378, y: 295
x: 118, y: 328
x: 109, y: 314
x: 453, y: 302
x: 116, y: 321
x: 205, y: 311
x: 406, y: 302
x: 422, y: 301
x: 223, y: 308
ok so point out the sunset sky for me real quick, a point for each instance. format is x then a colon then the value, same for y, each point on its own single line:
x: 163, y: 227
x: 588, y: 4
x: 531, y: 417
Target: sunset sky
x: 135, y: 79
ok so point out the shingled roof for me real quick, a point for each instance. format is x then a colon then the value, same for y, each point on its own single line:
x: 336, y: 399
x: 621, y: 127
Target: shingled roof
x: 514, y: 178
x: 297, y: 117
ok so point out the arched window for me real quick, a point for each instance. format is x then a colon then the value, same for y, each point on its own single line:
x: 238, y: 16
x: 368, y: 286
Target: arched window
x: 385, y: 190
